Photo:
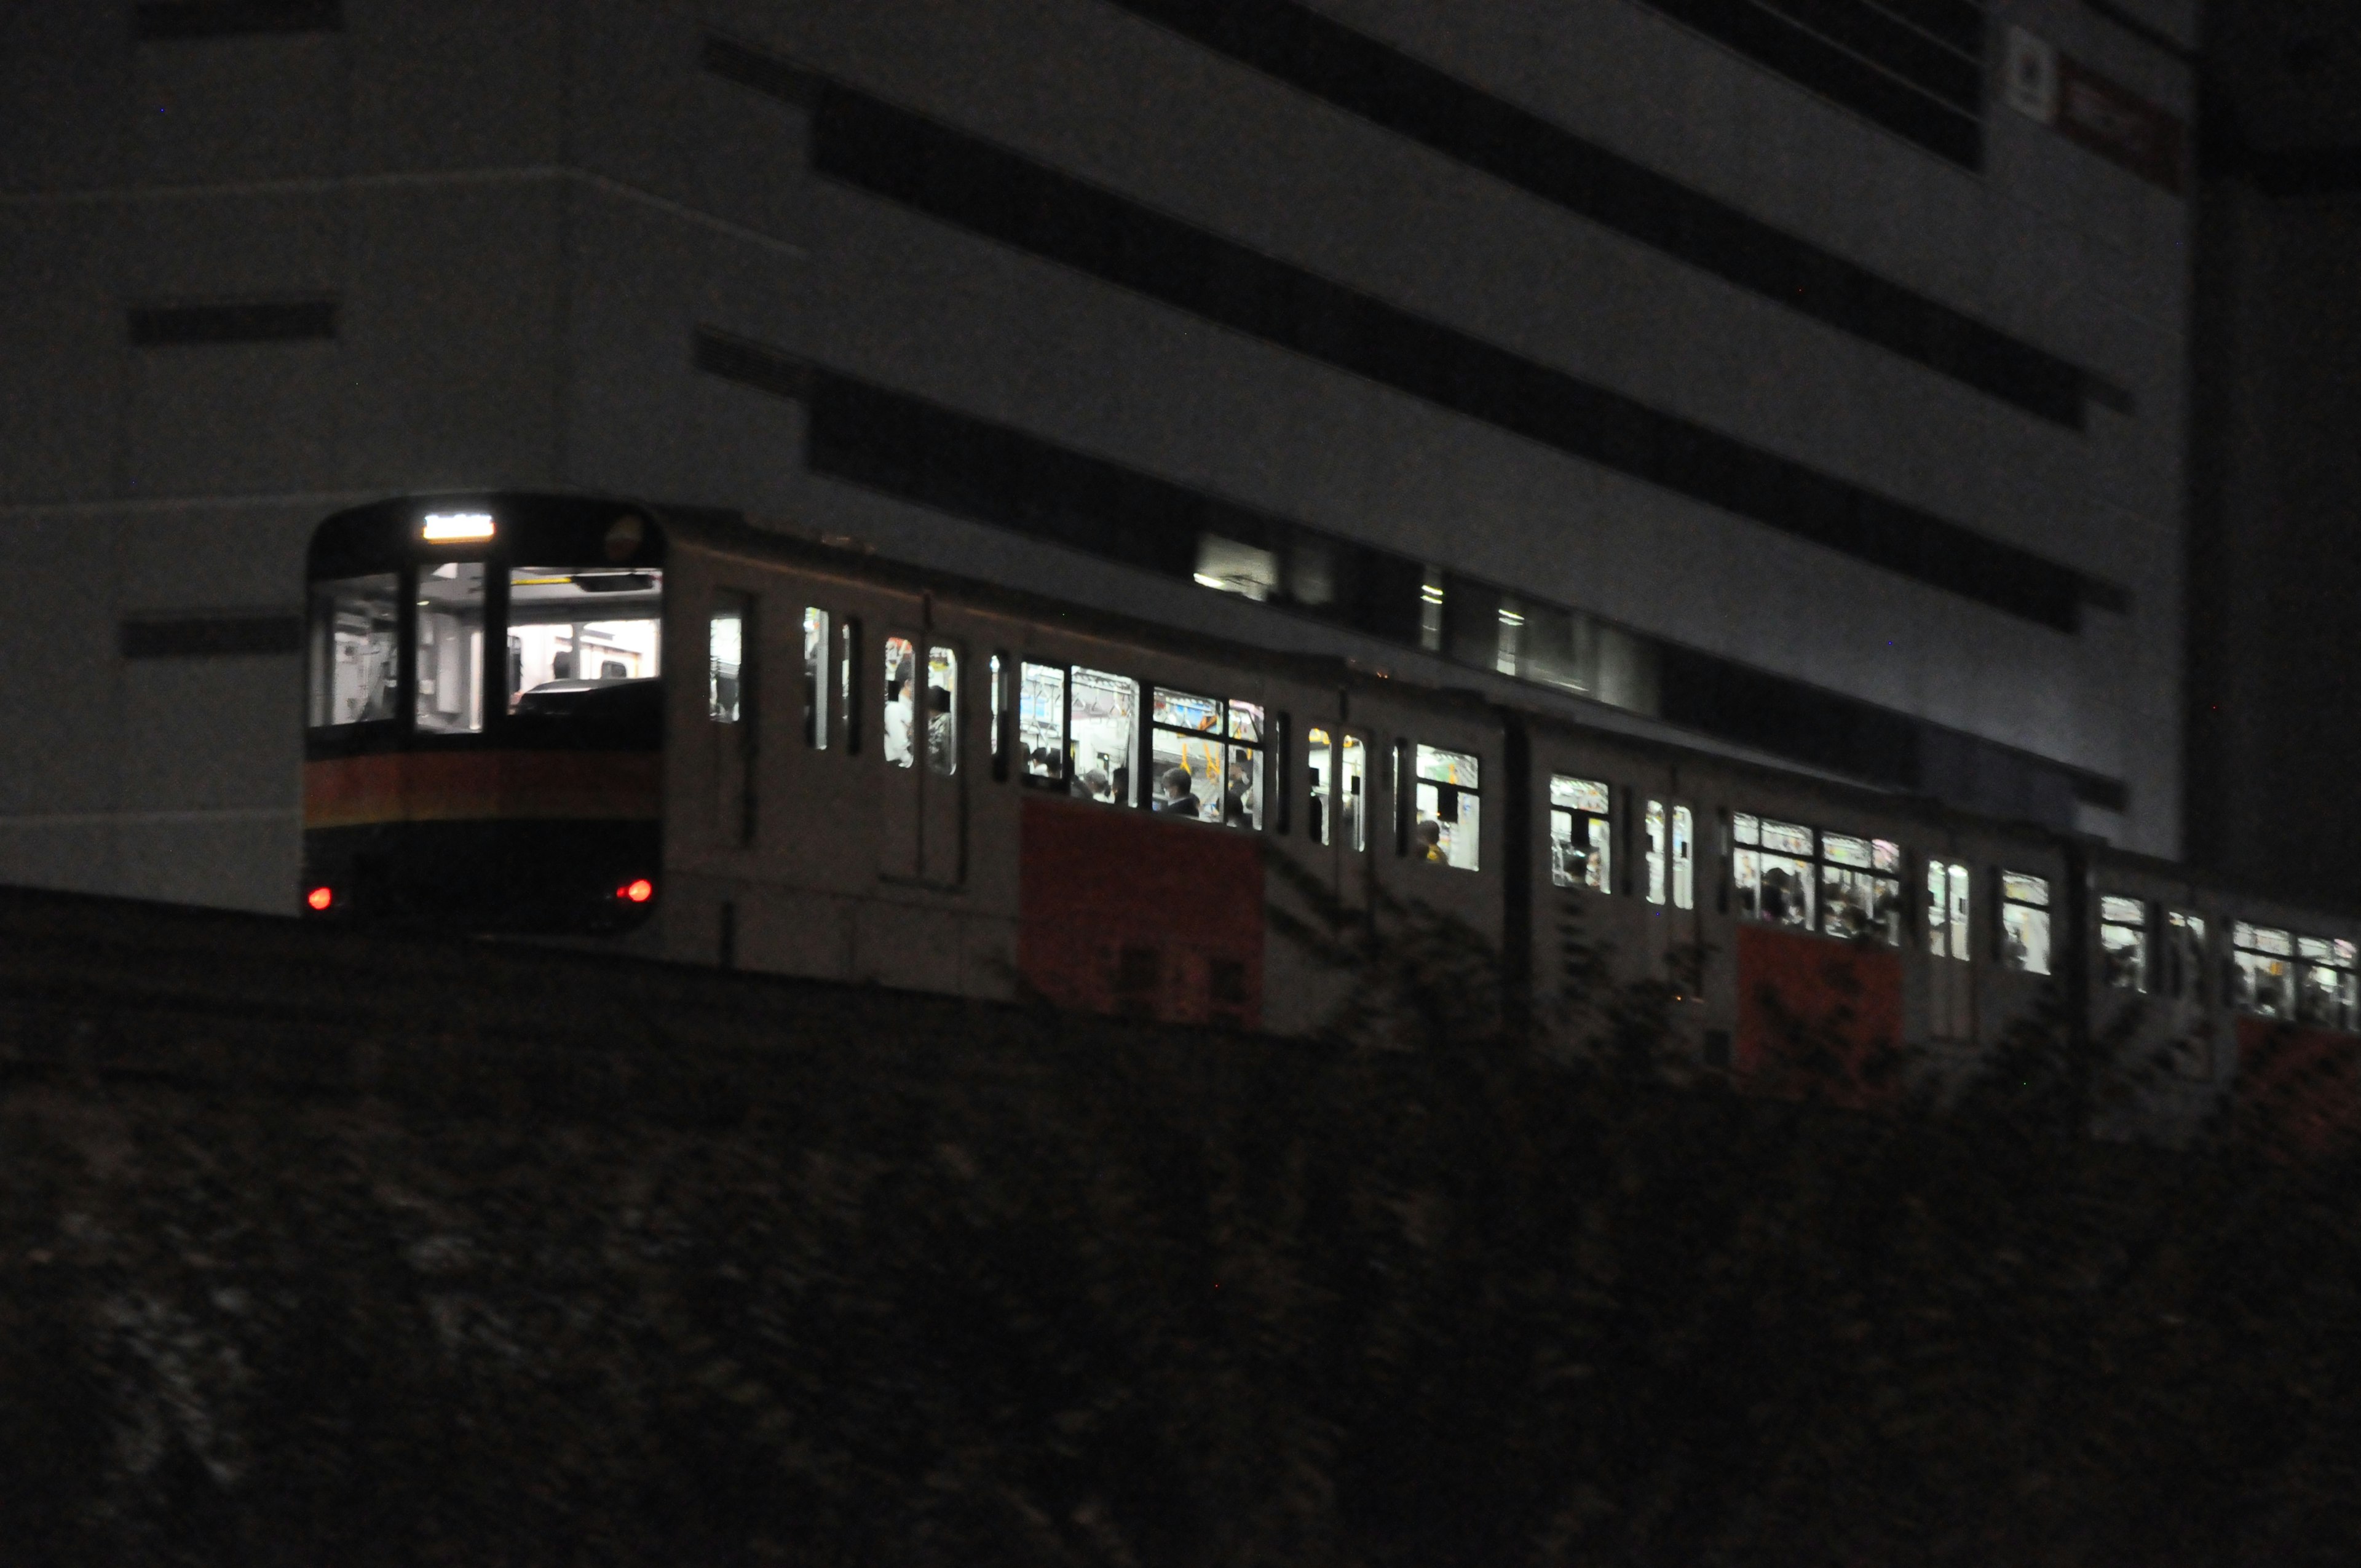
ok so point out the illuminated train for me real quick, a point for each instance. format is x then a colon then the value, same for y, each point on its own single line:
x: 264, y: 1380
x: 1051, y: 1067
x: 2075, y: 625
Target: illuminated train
x: 697, y: 740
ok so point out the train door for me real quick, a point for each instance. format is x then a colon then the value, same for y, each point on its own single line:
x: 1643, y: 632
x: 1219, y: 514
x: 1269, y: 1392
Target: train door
x: 1668, y: 877
x: 922, y: 833
x: 1336, y: 818
x: 731, y: 641
x: 901, y: 739
x: 942, y: 773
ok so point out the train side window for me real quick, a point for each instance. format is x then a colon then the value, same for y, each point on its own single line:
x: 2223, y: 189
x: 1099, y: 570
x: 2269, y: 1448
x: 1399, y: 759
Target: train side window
x: 356, y: 649
x: 898, y: 736
x: 1320, y: 764
x: 1041, y: 723
x: 725, y: 659
x: 2184, y: 956
x: 1581, y: 834
x: 1207, y: 757
x: 1448, y: 829
x: 943, y: 710
x: 849, y: 661
x: 1684, y: 858
x: 2260, y: 983
x: 996, y: 695
x: 1860, y: 887
x: 451, y: 648
x: 1773, y: 870
x: 2324, y: 992
x: 2123, y: 943
x: 1946, y: 910
x: 815, y: 678
x: 1352, y: 803
x: 1654, y: 825
x: 1102, y: 732
x: 2025, y: 922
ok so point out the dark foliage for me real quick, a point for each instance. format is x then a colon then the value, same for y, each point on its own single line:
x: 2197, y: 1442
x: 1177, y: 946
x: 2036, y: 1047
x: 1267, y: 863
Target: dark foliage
x: 1442, y: 1286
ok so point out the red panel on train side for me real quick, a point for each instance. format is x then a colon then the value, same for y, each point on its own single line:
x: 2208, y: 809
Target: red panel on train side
x: 1813, y: 1014
x: 1120, y: 913
x: 2298, y: 1089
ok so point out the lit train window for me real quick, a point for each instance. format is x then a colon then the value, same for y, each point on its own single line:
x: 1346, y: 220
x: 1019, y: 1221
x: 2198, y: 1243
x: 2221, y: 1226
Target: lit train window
x: 1449, y: 821
x: 1860, y: 887
x: 815, y: 678
x: 585, y: 646
x: 2123, y: 943
x: 2261, y: 978
x: 2025, y: 922
x: 943, y: 710
x: 1657, y: 830
x: 898, y: 738
x: 2184, y: 956
x: 2324, y: 991
x: 1353, y: 806
x: 849, y: 640
x: 997, y: 696
x: 1206, y: 757
x: 1320, y: 761
x: 1947, y: 911
x: 1684, y: 858
x: 1041, y: 723
x: 1774, y: 871
x: 1581, y: 834
x: 356, y: 649
x: 1102, y: 729
x: 450, y: 691
x: 725, y: 659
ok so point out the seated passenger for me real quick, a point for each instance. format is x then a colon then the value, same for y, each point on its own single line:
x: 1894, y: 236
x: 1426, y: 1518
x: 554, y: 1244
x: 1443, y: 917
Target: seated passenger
x: 1180, y: 796
x: 1426, y: 842
x: 1093, y: 786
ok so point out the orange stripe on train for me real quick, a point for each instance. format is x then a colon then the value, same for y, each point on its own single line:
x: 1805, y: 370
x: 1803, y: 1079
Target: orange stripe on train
x: 467, y: 787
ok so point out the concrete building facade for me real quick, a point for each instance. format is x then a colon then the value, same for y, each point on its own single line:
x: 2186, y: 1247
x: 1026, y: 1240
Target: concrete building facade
x: 1805, y: 380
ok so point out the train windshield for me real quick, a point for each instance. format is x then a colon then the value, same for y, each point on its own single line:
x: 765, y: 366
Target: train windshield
x: 583, y: 644
x: 356, y: 649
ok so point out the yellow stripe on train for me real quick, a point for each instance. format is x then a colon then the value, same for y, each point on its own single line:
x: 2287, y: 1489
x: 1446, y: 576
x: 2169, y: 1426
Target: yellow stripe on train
x: 467, y: 786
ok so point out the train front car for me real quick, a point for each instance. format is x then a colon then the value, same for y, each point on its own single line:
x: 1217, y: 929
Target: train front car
x: 484, y: 715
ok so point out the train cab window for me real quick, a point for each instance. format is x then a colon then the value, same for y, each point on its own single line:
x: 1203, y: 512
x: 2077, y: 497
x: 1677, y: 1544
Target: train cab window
x: 1447, y: 783
x: 2324, y: 992
x: 356, y: 649
x: 1948, y: 908
x: 451, y: 648
x: 1581, y: 833
x: 816, y: 652
x: 1102, y: 732
x: 943, y: 710
x: 2261, y: 980
x: 1772, y: 868
x: 2123, y: 943
x: 1861, y: 888
x: 897, y: 736
x: 1041, y: 723
x: 725, y: 659
x: 2183, y: 966
x: 1205, y: 757
x: 2025, y: 922
x: 584, y: 646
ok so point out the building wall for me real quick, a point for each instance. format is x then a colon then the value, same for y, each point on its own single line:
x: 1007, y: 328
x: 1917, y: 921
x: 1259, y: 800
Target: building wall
x: 523, y: 213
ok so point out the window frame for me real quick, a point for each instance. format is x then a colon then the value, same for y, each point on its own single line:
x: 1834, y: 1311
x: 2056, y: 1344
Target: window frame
x: 1591, y: 830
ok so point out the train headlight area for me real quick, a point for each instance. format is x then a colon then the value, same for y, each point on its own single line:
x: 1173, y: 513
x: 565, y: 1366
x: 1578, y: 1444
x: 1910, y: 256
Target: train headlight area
x: 529, y: 713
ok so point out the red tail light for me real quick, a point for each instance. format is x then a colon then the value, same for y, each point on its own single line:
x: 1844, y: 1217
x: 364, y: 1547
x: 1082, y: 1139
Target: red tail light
x: 321, y: 898
x: 639, y: 890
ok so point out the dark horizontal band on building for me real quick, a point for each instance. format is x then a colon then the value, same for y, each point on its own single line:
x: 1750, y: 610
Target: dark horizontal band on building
x: 926, y: 454
x: 211, y: 636
x: 1850, y: 52
x: 961, y: 180
x: 164, y: 20
x: 1370, y: 79
x: 245, y: 321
